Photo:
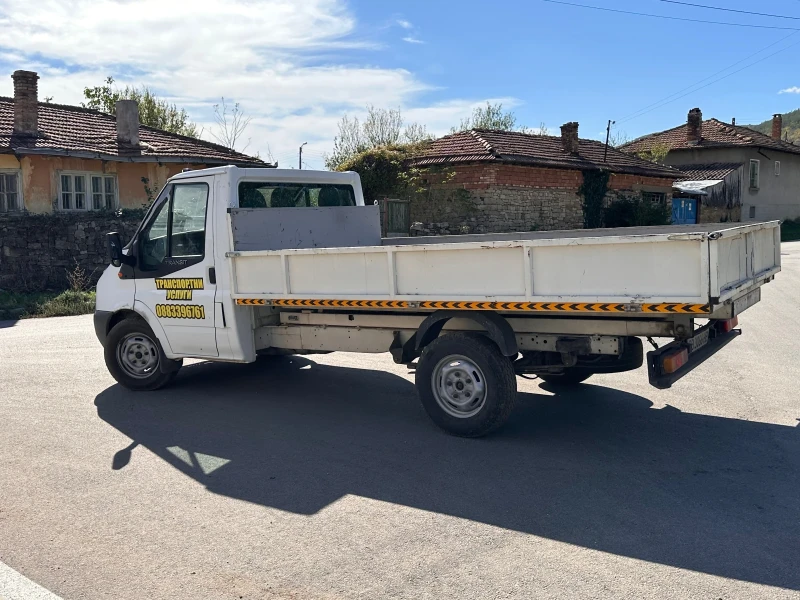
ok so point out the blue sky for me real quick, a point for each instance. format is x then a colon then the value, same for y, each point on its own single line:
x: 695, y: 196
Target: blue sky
x: 297, y: 66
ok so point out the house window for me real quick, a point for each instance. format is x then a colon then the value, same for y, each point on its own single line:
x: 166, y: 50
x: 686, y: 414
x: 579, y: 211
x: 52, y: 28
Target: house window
x: 654, y: 197
x: 755, y: 167
x: 777, y: 167
x: 87, y: 191
x: 752, y: 212
x: 10, y: 198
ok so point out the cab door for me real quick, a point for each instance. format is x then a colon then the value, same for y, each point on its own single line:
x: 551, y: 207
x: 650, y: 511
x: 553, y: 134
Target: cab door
x: 175, y: 267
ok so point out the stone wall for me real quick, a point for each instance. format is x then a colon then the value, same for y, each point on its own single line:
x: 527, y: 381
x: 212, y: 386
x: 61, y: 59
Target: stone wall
x: 37, y: 251
x: 499, y: 198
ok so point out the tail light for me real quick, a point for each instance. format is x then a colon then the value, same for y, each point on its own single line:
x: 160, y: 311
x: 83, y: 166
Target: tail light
x: 728, y: 324
x: 674, y: 360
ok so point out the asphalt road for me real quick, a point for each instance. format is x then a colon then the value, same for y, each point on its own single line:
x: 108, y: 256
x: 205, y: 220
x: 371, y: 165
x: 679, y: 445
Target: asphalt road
x: 323, y: 478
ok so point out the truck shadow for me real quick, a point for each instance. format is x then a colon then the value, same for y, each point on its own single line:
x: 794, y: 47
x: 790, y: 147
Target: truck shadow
x: 595, y: 467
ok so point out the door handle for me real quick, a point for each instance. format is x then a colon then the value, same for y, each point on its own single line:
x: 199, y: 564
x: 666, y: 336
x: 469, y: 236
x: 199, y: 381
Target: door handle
x: 212, y: 275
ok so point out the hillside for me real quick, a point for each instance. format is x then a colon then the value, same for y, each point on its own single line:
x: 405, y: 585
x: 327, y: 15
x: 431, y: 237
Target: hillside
x: 791, y: 125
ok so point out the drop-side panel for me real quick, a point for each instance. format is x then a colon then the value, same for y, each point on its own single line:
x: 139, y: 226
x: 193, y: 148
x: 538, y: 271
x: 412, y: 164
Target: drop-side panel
x: 339, y: 274
x: 475, y: 272
x: 259, y: 274
x: 669, y: 270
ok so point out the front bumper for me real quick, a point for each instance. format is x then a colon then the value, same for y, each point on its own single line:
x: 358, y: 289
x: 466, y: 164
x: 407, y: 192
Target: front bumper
x: 101, y: 320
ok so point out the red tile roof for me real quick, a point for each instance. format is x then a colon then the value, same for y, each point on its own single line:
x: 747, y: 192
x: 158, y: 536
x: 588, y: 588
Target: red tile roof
x: 484, y: 145
x: 75, y: 131
x: 715, y: 134
x: 706, y: 172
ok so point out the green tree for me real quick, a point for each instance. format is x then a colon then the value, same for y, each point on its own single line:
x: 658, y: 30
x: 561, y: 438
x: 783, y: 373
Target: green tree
x: 491, y: 116
x: 657, y: 153
x: 153, y: 111
x: 382, y: 128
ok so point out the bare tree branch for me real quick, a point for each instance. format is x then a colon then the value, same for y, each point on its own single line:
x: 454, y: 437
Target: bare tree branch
x: 231, y: 124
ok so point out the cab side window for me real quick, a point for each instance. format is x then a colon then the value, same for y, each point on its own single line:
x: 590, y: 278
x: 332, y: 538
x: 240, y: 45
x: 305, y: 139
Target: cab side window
x: 178, y: 227
x: 188, y: 234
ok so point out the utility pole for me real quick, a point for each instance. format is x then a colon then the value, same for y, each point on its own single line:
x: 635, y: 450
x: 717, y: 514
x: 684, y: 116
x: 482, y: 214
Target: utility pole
x: 608, y: 138
x: 300, y: 162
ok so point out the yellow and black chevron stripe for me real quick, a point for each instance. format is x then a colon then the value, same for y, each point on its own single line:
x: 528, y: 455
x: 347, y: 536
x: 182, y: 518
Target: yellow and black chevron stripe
x: 555, y: 307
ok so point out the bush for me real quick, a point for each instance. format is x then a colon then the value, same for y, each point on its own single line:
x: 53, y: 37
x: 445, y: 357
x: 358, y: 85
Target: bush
x: 67, y: 304
x: 46, y: 304
x: 383, y: 170
x: 790, y: 230
x: 636, y: 212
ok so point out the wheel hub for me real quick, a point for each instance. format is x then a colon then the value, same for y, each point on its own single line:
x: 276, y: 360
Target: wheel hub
x: 459, y: 386
x: 138, y: 356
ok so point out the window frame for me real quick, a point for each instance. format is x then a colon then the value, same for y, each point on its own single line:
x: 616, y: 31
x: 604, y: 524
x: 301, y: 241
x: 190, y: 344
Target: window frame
x: 757, y: 163
x: 88, y: 191
x: 655, y: 197
x: 20, y: 200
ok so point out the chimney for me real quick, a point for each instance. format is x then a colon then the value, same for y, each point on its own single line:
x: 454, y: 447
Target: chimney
x: 777, y: 127
x: 127, y: 122
x: 26, y: 102
x: 733, y: 121
x: 694, y: 127
x: 569, y: 137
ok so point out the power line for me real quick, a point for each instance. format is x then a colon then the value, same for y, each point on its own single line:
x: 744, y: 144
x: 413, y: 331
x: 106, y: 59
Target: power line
x: 733, y: 10
x: 643, y: 110
x: 713, y: 82
x: 641, y: 14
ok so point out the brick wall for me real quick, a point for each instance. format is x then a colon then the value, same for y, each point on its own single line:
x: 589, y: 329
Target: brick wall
x: 37, y: 251
x: 495, y: 198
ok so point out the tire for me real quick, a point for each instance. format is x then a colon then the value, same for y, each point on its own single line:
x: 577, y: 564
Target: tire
x: 136, y: 340
x: 487, y: 389
x: 571, y: 376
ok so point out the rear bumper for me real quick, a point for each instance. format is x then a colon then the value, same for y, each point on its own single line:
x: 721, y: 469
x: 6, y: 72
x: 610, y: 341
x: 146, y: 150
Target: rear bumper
x: 717, y: 341
x: 101, y: 320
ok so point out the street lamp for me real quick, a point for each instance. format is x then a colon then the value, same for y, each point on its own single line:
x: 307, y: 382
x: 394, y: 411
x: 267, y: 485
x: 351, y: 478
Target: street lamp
x: 300, y: 162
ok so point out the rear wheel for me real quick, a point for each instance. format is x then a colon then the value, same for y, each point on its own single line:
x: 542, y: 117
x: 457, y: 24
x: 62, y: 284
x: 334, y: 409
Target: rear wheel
x: 133, y: 356
x: 467, y: 387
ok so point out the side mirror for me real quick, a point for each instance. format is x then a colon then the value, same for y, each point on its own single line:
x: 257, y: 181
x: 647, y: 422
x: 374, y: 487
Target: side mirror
x: 115, y: 249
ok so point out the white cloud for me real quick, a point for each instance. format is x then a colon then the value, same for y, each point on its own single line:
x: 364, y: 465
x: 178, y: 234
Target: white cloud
x: 412, y: 40
x: 791, y: 90
x: 289, y: 64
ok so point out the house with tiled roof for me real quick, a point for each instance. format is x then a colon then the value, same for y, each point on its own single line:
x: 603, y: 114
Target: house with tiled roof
x: 513, y: 181
x: 760, y: 173
x: 66, y: 158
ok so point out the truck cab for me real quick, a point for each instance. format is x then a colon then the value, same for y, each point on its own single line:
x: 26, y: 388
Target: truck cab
x: 174, y: 273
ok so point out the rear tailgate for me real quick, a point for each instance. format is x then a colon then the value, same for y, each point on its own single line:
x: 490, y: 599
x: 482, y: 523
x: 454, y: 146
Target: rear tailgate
x: 743, y: 257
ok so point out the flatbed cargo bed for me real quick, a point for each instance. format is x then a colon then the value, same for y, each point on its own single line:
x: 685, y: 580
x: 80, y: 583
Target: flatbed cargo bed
x: 682, y: 269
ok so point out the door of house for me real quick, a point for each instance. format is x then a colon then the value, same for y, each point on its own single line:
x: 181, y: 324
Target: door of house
x: 684, y: 211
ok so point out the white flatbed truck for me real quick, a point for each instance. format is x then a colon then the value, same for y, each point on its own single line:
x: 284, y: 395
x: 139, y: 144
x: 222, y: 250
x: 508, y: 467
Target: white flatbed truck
x: 230, y: 264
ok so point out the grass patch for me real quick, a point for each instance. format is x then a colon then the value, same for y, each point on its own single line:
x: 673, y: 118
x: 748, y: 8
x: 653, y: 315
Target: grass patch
x: 46, y: 304
x: 790, y: 230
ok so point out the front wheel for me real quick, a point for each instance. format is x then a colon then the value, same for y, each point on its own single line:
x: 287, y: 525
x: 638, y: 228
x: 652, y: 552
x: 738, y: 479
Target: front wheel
x: 467, y: 387
x: 133, y: 356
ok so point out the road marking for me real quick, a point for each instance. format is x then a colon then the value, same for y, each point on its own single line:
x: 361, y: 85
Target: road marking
x: 15, y: 586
